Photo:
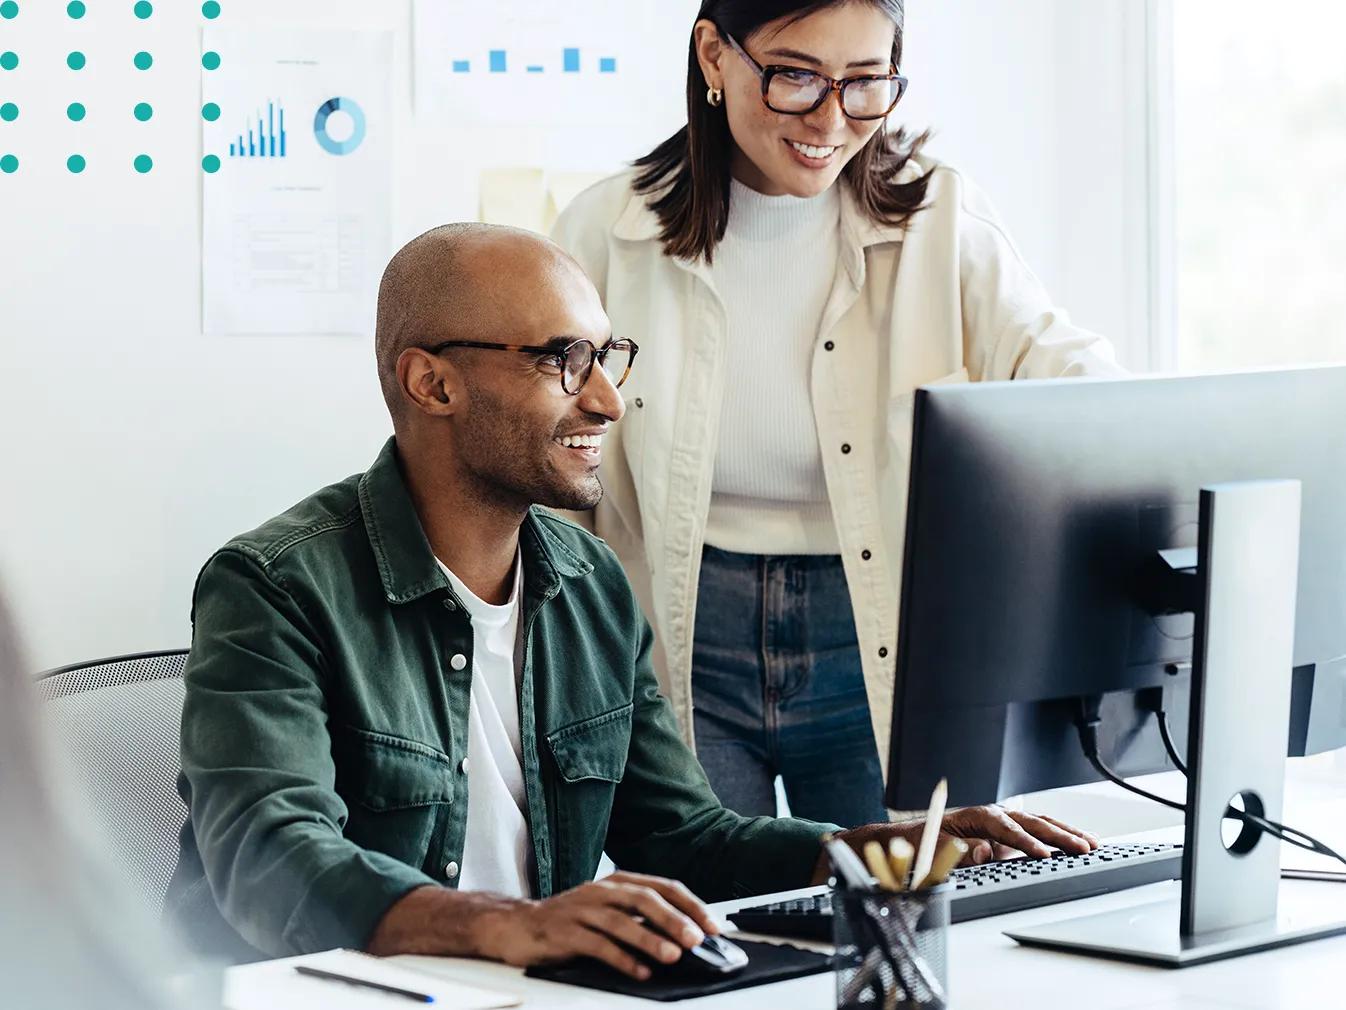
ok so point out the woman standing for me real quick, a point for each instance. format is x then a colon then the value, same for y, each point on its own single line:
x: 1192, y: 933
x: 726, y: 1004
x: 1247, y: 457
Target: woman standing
x: 793, y: 271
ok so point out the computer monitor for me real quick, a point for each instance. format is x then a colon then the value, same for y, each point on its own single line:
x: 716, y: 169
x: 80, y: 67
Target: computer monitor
x: 1036, y: 513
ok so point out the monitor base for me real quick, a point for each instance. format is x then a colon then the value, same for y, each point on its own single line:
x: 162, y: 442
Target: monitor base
x: 1148, y: 934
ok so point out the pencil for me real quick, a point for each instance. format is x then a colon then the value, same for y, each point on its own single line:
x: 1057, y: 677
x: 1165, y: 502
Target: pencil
x: 878, y: 865
x: 934, y: 818
x: 950, y: 854
x: 900, y: 853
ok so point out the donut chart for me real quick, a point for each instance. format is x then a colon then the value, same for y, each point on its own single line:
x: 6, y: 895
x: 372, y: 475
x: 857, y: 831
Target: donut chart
x: 325, y: 140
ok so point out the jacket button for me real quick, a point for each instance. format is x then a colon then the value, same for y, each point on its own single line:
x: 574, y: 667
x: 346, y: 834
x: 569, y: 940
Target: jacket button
x: 846, y: 449
x: 829, y: 346
x: 883, y: 652
x: 866, y: 555
x: 451, y: 871
x: 459, y: 661
x: 462, y: 766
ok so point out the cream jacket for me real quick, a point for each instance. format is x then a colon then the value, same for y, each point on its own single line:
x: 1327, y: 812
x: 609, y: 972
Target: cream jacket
x: 947, y: 299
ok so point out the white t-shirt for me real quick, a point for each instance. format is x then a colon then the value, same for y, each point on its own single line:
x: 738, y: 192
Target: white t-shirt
x: 497, y: 851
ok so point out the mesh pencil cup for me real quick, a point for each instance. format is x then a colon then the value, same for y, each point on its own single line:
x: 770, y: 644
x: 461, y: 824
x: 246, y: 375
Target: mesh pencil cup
x: 892, y: 948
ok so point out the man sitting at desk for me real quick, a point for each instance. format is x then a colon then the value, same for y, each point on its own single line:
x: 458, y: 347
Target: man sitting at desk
x: 419, y: 707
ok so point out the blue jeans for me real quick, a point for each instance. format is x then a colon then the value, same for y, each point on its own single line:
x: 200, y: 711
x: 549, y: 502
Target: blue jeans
x: 777, y: 689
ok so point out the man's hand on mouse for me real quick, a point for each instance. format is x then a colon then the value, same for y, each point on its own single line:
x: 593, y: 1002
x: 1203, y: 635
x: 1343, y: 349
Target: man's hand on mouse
x: 992, y: 832
x: 607, y: 920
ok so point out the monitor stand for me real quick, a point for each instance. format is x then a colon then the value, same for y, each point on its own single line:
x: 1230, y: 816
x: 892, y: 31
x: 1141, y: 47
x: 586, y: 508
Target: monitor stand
x: 1233, y: 901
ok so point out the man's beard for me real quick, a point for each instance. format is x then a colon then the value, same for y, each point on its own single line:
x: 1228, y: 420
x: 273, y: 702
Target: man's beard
x: 512, y: 462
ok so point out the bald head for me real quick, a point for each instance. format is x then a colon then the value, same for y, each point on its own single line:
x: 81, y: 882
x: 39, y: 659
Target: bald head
x: 466, y: 282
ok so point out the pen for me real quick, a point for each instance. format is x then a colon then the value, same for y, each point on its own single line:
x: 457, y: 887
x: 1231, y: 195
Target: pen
x: 332, y: 976
x: 1334, y: 876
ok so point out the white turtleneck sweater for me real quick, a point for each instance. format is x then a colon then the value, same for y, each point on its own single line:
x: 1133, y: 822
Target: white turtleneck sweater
x: 773, y: 271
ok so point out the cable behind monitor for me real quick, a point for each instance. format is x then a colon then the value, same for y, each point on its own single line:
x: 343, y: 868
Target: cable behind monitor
x: 1087, y: 723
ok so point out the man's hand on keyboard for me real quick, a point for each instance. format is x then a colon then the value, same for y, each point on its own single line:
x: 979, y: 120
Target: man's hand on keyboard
x: 991, y: 832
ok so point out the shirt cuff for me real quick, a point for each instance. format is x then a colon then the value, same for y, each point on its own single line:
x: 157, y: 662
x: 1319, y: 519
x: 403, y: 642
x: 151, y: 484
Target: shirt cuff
x: 346, y: 902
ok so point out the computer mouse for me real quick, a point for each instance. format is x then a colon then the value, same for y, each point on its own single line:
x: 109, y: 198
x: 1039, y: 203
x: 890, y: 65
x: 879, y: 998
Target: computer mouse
x: 713, y: 957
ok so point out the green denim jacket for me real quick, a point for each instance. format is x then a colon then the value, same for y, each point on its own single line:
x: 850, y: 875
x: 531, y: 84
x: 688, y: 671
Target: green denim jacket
x: 325, y: 726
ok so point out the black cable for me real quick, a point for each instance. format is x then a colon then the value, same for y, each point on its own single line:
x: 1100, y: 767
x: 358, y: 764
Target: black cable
x: 1116, y: 779
x: 1169, y: 746
x: 1286, y: 834
x: 1264, y: 824
x: 1087, y: 724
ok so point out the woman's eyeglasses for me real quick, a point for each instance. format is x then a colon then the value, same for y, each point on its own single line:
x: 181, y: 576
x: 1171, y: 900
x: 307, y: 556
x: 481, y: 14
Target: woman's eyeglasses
x: 795, y: 91
x: 574, y: 362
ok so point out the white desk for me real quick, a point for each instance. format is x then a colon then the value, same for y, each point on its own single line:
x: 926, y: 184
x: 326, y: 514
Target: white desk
x: 989, y: 970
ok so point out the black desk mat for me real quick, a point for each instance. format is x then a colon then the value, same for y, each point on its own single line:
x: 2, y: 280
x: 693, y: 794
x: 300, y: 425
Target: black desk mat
x: 767, y: 962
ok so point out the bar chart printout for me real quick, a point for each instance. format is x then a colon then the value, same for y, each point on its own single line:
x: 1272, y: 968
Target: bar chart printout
x: 539, y: 61
x: 296, y: 225
x: 571, y: 60
x: 264, y: 135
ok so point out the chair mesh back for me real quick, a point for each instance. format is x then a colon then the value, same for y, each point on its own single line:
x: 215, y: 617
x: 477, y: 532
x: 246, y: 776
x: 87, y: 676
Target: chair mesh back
x: 117, y: 722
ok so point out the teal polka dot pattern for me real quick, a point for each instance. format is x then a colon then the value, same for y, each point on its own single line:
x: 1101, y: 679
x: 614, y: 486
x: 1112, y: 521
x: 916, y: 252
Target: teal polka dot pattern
x: 144, y: 60
x: 143, y: 163
x: 9, y: 164
x: 75, y: 163
x: 210, y: 163
x: 211, y: 61
x: 75, y: 10
x: 210, y: 112
x: 144, y: 111
x: 9, y: 112
x: 9, y: 10
x: 9, y: 60
x: 144, y: 9
x: 75, y: 61
x: 75, y: 112
x: 210, y: 11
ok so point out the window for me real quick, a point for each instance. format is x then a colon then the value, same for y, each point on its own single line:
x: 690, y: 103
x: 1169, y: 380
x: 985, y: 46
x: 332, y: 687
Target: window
x: 1259, y: 197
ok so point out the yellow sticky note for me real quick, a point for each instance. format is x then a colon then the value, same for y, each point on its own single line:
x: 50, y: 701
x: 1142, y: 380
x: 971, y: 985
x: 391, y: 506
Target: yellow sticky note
x: 562, y: 187
x: 514, y: 196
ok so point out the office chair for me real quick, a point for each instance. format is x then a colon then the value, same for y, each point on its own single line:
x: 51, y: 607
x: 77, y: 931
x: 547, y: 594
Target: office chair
x: 116, y: 722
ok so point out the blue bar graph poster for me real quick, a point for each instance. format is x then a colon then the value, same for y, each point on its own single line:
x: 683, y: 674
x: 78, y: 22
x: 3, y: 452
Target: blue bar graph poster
x: 297, y: 208
x: 542, y: 61
x: 263, y: 135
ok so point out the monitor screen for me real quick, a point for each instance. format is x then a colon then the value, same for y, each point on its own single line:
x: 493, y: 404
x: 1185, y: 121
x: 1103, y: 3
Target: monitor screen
x: 1036, y: 513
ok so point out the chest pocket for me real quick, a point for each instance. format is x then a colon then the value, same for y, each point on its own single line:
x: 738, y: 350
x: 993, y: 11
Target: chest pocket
x: 398, y: 793
x: 590, y: 759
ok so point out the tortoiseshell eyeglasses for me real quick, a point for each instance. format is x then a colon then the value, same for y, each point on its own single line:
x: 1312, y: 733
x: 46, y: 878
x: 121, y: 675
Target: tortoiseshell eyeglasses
x: 574, y: 362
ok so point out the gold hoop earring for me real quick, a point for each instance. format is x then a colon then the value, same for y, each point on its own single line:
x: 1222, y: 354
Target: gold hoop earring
x: 714, y: 97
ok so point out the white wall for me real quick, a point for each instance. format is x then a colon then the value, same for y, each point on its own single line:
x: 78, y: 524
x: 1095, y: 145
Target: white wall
x: 1044, y: 104
x: 133, y: 445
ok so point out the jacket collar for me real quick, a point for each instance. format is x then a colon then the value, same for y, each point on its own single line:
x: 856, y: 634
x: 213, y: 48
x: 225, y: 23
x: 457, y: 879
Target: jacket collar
x: 406, y: 563
x: 638, y: 222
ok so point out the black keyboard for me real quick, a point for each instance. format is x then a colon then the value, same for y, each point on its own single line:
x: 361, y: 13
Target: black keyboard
x: 993, y: 888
